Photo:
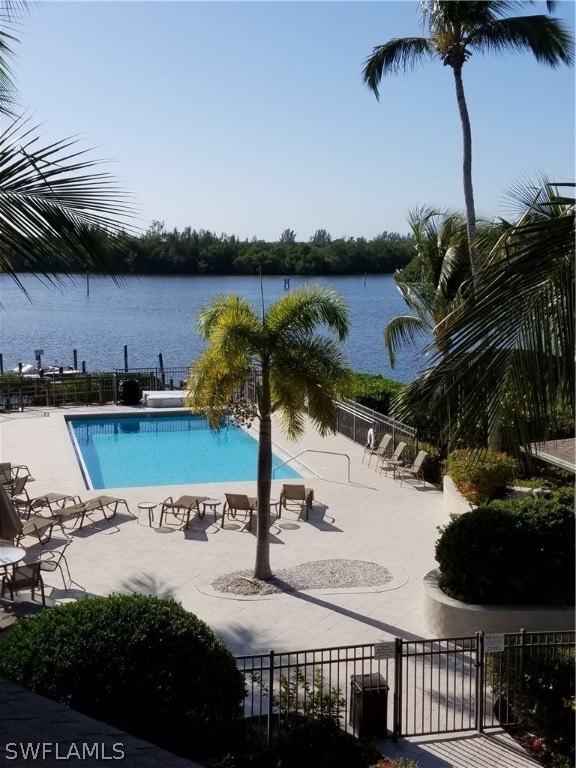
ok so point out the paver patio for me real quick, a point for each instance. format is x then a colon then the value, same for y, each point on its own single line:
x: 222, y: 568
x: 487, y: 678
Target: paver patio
x: 358, y: 514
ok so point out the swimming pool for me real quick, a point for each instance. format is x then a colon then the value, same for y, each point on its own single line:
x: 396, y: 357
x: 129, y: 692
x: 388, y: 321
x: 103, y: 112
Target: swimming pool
x: 171, y: 449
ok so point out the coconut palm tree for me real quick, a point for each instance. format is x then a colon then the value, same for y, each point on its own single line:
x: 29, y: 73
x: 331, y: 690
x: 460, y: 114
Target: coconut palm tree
x: 434, y: 283
x: 55, y: 209
x: 296, y: 369
x: 456, y: 29
x: 55, y: 212
x: 512, y: 353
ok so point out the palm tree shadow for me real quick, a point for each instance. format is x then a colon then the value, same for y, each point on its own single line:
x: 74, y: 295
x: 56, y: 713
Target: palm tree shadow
x: 360, y: 617
x: 144, y: 584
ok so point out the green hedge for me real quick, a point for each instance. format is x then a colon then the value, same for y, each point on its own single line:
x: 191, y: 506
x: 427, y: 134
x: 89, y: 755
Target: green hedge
x: 140, y: 663
x: 375, y: 391
x: 509, y: 552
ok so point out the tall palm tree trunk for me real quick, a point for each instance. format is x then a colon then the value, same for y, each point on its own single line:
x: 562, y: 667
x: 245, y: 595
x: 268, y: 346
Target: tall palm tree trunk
x: 467, y: 169
x: 494, y: 438
x: 262, y: 569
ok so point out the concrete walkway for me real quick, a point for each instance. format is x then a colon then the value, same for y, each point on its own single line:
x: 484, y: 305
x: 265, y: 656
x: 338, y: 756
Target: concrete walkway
x: 358, y: 515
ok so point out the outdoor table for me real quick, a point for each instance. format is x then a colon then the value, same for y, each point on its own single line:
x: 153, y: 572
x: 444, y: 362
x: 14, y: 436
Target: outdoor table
x: 11, y: 556
x: 212, y: 504
x: 148, y: 506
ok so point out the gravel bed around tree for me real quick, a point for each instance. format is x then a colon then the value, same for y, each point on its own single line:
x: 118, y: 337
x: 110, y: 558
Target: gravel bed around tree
x: 318, y: 574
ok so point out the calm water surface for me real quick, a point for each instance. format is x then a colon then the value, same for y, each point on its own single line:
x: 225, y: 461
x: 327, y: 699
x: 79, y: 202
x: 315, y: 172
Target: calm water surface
x: 155, y: 450
x: 153, y: 315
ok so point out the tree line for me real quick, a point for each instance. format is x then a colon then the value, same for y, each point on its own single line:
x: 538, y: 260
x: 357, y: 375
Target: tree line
x: 201, y: 252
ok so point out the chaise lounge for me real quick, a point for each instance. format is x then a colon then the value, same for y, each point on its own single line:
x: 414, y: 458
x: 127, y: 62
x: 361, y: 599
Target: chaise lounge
x: 298, y: 494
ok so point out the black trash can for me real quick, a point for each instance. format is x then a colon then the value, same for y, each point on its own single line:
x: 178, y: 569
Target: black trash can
x: 129, y: 392
x: 369, y: 705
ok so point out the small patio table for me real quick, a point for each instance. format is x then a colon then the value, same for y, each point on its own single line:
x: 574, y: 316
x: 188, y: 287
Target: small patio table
x: 11, y: 556
x: 148, y: 506
x: 211, y: 504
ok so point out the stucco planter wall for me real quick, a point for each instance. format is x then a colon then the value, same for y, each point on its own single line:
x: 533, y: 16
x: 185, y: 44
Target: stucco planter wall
x: 454, y: 502
x: 446, y: 617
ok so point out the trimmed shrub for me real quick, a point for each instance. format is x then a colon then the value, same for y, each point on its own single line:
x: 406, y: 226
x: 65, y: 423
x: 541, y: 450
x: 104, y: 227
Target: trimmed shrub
x: 480, y: 474
x: 375, y: 391
x: 140, y: 663
x: 509, y: 552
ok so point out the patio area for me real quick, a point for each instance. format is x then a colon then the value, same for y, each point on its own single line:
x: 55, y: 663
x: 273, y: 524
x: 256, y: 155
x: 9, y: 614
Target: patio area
x: 358, y: 514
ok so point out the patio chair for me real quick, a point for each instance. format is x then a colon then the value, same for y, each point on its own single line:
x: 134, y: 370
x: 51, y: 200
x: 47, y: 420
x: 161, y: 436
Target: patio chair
x: 299, y: 494
x: 415, y: 470
x: 381, y: 450
x: 239, y: 503
x: 391, y: 463
x: 55, y: 560
x: 110, y: 503
x: 53, y: 501
x: 38, y: 526
x: 24, y: 577
x: 10, y: 472
x: 19, y: 495
x: 78, y: 510
x: 184, y: 506
x: 5, y: 472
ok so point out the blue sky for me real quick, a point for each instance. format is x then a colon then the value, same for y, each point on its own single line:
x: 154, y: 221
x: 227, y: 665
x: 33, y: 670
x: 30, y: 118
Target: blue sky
x: 251, y: 117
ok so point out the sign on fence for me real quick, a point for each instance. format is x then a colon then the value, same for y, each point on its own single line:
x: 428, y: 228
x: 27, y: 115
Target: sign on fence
x: 493, y: 643
x: 384, y: 650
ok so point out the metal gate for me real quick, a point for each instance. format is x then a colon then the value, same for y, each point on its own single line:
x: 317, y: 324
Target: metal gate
x: 401, y: 687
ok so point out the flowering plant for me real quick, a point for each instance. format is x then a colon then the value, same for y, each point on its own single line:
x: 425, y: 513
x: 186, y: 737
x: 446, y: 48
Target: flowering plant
x: 480, y: 475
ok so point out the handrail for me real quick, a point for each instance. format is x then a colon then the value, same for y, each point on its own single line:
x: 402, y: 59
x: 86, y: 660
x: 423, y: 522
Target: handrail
x: 313, y: 450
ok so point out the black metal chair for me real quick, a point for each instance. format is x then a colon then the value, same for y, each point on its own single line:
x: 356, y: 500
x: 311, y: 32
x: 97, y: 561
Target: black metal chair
x: 24, y: 577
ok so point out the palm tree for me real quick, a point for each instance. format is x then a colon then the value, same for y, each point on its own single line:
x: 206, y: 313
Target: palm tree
x: 456, y: 29
x: 434, y: 283
x: 55, y: 210
x: 512, y: 353
x: 297, y: 370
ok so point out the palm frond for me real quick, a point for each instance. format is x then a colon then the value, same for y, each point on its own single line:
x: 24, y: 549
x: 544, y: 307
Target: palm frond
x: 547, y: 38
x: 301, y: 312
x: 53, y: 207
x: 518, y: 337
x: 401, y: 331
x: 315, y: 371
x: 397, y: 55
x: 213, y: 381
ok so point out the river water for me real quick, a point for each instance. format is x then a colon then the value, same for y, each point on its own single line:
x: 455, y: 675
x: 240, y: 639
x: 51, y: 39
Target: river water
x: 153, y: 315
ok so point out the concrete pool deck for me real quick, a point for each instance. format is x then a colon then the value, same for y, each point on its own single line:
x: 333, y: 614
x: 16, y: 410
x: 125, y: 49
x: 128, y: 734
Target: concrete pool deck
x: 370, y: 518
x: 358, y: 514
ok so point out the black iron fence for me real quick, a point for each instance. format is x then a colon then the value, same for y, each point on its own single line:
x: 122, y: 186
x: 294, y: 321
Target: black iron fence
x: 401, y: 687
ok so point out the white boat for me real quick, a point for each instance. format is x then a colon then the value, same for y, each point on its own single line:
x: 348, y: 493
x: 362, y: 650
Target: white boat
x: 26, y: 368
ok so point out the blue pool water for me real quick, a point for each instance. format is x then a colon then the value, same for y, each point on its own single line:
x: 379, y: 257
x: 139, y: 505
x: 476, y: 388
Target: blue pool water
x: 144, y: 450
